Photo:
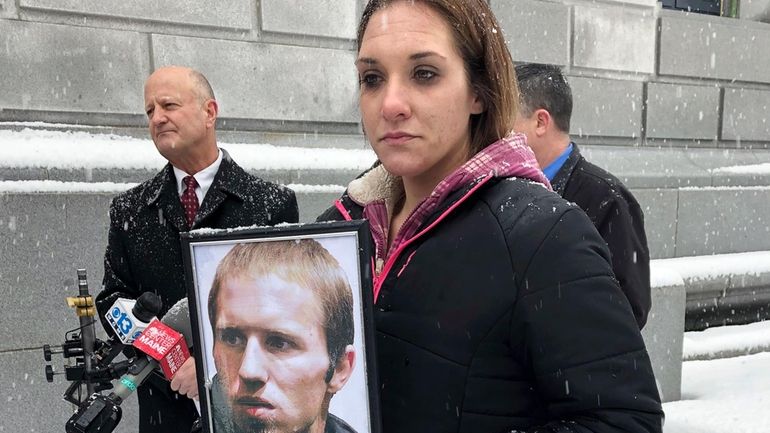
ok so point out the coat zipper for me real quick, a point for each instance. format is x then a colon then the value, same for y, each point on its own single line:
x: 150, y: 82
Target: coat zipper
x: 379, y: 279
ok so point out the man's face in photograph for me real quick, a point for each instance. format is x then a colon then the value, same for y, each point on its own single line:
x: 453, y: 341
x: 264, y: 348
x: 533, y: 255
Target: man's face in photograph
x: 271, y: 355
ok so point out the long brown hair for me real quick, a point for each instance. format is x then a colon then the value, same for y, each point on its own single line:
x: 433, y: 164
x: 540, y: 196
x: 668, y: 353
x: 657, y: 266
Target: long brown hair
x: 488, y: 63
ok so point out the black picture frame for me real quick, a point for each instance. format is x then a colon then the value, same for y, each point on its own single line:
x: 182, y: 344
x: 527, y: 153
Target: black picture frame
x: 349, y: 243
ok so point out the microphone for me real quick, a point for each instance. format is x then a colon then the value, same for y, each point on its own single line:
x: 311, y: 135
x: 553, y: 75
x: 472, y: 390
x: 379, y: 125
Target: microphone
x: 128, y: 317
x: 177, y: 318
x: 102, y: 413
x: 166, y: 346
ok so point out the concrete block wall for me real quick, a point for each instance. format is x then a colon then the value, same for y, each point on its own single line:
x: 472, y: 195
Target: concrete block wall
x: 278, y: 65
x: 46, y: 237
x: 643, y: 76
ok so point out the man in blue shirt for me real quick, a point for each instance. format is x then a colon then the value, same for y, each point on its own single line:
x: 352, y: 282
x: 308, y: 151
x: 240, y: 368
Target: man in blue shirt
x: 544, y: 117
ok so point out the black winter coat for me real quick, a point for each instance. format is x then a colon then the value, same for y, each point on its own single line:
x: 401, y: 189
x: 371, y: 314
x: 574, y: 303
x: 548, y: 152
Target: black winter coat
x: 620, y: 221
x: 144, y: 254
x: 505, y: 316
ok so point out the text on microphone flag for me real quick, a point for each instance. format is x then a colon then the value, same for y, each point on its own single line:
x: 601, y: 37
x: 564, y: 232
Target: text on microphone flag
x: 165, y: 345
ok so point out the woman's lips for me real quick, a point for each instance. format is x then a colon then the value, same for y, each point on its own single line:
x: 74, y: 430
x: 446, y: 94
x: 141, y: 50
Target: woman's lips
x: 396, y: 137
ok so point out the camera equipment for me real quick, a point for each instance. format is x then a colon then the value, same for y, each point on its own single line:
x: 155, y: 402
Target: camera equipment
x: 164, y: 347
x: 91, y: 369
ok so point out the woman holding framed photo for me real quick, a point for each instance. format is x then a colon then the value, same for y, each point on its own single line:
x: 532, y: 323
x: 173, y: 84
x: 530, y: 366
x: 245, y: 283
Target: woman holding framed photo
x: 496, y: 307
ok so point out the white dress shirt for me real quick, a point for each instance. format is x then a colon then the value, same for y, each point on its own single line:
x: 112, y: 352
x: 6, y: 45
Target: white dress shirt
x: 204, y: 178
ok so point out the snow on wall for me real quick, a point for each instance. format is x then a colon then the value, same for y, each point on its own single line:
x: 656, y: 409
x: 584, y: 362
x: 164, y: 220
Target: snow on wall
x: 57, y: 187
x: 697, y: 268
x: 78, y: 149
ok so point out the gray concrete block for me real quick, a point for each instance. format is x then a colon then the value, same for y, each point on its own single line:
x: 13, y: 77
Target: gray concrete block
x: 724, y: 289
x: 535, y: 31
x: 309, y: 177
x: 664, y: 334
x: 121, y: 175
x: 761, y: 278
x: 763, y: 156
x: 723, y: 220
x: 700, y: 288
x: 30, y: 404
x: 647, y: 167
x: 235, y: 14
x: 46, y: 238
x: 714, y: 159
x: 264, y: 81
x: 746, y: 114
x: 680, y: 111
x: 659, y: 207
x: 614, y: 38
x: 608, y: 108
x: 60, y: 68
x: 311, y: 205
x: 8, y: 9
x: 731, y: 167
x: 741, y: 179
x: 755, y: 10
x: 31, y: 173
x: 329, y: 18
x: 648, y: 3
x: 317, y: 140
x: 713, y: 47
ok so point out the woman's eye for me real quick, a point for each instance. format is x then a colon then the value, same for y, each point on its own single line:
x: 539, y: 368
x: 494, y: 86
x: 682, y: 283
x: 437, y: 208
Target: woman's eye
x: 424, y: 75
x: 369, y: 80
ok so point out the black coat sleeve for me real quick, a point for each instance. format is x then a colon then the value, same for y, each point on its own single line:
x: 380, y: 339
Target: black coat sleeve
x: 585, y: 351
x: 118, y: 281
x: 621, y: 224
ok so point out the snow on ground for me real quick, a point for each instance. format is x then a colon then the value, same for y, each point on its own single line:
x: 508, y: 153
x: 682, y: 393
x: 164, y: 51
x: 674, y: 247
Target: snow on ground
x: 725, y: 339
x: 78, y: 149
x: 729, y: 395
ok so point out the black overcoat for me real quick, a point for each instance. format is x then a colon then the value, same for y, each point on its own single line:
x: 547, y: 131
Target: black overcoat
x: 620, y: 221
x: 144, y: 255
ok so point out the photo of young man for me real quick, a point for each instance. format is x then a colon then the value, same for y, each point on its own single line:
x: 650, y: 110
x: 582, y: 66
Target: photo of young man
x: 281, y: 314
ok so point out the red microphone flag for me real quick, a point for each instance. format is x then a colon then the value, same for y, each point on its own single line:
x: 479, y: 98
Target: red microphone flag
x: 163, y: 344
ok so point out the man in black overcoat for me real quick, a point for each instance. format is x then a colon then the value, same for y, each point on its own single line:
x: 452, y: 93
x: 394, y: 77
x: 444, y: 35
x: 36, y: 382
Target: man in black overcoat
x: 546, y: 108
x: 200, y: 187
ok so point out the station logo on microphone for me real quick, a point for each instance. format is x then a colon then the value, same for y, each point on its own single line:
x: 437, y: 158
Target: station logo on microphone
x: 163, y: 344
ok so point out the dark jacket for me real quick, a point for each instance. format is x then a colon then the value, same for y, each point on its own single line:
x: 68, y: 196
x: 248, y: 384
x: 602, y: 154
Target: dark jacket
x: 144, y: 254
x: 505, y: 316
x: 618, y: 218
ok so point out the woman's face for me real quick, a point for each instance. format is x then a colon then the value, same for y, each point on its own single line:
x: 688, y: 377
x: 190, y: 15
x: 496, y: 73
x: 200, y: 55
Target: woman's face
x: 415, y: 98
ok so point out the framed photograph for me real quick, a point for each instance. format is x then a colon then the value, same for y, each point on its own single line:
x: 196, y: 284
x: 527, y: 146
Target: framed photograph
x: 282, y: 326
